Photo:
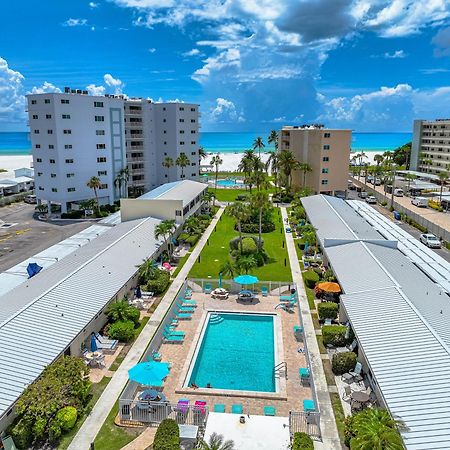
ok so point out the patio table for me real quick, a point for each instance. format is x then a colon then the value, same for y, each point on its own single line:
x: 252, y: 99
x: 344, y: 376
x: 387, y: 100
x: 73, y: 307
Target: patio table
x: 360, y: 396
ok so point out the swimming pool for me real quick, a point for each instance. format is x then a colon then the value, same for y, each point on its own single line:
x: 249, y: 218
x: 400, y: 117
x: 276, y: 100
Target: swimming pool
x: 229, y: 183
x: 235, y: 352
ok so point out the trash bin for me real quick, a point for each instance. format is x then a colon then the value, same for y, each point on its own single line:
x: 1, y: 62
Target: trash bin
x: 397, y: 215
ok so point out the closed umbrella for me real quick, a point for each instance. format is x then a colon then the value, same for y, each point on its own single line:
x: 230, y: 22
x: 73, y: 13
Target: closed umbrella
x: 138, y: 292
x: 150, y: 373
x: 329, y: 286
x: 220, y: 279
x: 94, y: 347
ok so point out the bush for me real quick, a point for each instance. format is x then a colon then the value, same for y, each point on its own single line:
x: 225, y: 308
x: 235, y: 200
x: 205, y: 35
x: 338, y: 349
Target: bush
x: 260, y: 257
x: 167, y: 436
x: 310, y: 278
x: 334, y: 335
x: 343, y: 362
x: 254, y: 227
x: 302, y: 441
x: 160, y: 283
x: 123, y: 330
x: 182, y: 237
x: 192, y: 239
x: 22, y: 433
x: 248, y: 246
x: 121, y: 310
x: 67, y: 417
x: 73, y: 215
x: 327, y: 310
x: 241, y: 197
x: 301, y: 244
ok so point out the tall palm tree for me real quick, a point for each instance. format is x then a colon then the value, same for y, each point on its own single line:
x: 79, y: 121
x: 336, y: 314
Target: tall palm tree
x: 147, y: 270
x: 227, y: 268
x: 273, y: 139
x: 121, y: 179
x: 287, y: 162
x: 95, y: 184
x: 201, y: 153
x: 182, y: 161
x: 305, y: 168
x: 378, y: 159
x: 208, y: 196
x: 443, y: 178
x: 410, y: 177
x: 246, y: 263
x: 216, y: 442
x: 165, y: 230
x: 258, y: 143
x: 260, y: 200
x: 247, y: 166
x: 240, y: 212
x: 272, y: 163
x: 216, y: 161
x: 168, y: 163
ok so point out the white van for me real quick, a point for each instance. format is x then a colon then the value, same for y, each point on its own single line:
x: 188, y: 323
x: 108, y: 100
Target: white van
x: 398, y: 192
x: 420, y: 202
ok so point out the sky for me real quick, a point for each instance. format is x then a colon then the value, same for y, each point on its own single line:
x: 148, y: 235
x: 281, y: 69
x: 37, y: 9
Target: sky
x: 252, y: 65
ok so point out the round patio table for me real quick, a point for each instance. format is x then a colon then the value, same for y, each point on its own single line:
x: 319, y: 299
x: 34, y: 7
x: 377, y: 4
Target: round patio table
x: 151, y: 395
x: 360, y: 396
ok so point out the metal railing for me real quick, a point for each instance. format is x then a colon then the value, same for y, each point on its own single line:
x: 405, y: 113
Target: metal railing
x: 304, y: 422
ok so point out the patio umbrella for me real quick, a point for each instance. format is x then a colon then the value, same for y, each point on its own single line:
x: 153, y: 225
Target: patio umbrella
x: 220, y: 279
x: 138, y: 292
x: 246, y: 279
x: 150, y: 373
x: 94, y: 347
x: 329, y: 287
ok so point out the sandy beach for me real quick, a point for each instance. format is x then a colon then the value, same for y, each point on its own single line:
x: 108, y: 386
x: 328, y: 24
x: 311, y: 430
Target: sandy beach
x: 11, y: 162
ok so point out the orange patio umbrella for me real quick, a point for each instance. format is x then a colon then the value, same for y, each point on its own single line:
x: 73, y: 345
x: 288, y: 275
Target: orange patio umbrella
x: 329, y: 287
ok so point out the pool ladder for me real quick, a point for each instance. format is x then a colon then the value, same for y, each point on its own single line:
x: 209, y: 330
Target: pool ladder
x: 215, y: 318
x: 279, y: 368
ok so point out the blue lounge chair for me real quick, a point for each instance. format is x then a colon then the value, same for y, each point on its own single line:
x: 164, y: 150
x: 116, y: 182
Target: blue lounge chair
x: 189, y: 303
x: 173, y: 332
x: 219, y: 408
x: 264, y: 291
x: 298, y: 329
x: 188, y: 293
x: 184, y: 308
x: 269, y: 410
x: 183, y: 316
x: 172, y: 338
x: 207, y: 289
x: 304, y: 375
x: 309, y: 405
x: 156, y: 356
x: 237, y: 409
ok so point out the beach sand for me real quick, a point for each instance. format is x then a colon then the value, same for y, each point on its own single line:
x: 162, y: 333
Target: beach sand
x: 11, y: 162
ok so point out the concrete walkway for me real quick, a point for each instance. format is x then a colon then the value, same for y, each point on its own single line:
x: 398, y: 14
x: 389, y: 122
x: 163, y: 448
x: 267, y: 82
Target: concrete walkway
x: 91, y: 426
x: 330, y: 437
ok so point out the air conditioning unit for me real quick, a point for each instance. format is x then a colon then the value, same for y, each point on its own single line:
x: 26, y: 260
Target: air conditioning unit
x: 78, y: 91
x: 67, y: 90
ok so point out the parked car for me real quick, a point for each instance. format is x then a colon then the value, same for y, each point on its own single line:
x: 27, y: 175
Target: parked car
x: 421, y: 202
x: 371, y: 200
x: 288, y: 230
x: 351, y: 186
x: 398, y: 192
x: 430, y: 240
x: 362, y: 194
x: 30, y: 199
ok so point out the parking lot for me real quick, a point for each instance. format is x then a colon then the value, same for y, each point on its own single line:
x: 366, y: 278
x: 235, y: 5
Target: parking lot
x: 25, y: 236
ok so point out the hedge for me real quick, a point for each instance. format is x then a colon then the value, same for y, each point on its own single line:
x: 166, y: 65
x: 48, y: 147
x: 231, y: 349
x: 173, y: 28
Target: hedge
x: 302, y: 441
x: 248, y: 246
x: 343, y: 362
x: 334, y: 335
x: 167, y: 436
x: 254, y: 227
x: 160, y: 283
x: 67, y: 417
x: 327, y: 310
x: 311, y: 278
x: 122, y: 330
x: 192, y: 239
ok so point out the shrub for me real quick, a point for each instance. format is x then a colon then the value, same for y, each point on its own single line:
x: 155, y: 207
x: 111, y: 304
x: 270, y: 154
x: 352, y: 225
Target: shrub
x: 54, y: 431
x: 248, y: 246
x: 182, y: 237
x: 192, y: 239
x: 254, y: 227
x: 73, y: 215
x: 160, y: 283
x: 302, y: 441
x: 167, y: 436
x: 334, y: 335
x: 123, y: 330
x: 121, y: 310
x: 327, y: 310
x: 241, y: 198
x: 311, y: 279
x: 67, y: 417
x: 301, y: 244
x: 260, y: 257
x: 343, y: 362
x: 22, y: 433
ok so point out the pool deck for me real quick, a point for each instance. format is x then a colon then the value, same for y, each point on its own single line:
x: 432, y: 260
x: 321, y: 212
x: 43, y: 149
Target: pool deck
x: 291, y: 393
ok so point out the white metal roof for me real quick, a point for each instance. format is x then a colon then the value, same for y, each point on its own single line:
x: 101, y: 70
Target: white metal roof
x: 41, y: 318
x: 185, y: 190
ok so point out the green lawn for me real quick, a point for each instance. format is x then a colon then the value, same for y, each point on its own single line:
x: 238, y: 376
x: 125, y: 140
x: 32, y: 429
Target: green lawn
x: 329, y: 375
x: 228, y: 195
x: 217, y: 252
x: 338, y: 414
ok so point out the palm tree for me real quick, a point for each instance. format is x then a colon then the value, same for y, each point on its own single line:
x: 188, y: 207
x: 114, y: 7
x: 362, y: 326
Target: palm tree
x: 246, y: 263
x: 272, y: 163
x: 216, y: 161
x: 42, y: 208
x: 410, y: 177
x: 95, y: 184
x: 273, y: 139
x: 443, y: 178
x: 305, y: 168
x: 121, y: 179
x: 182, y: 161
x: 208, y: 196
x: 147, y: 270
x: 258, y: 143
x: 216, y: 442
x: 165, y: 230
x: 201, y: 153
x: 287, y: 162
x: 168, y: 163
x: 192, y: 225
x: 247, y: 166
x: 260, y: 200
x: 240, y: 212
x: 378, y: 159
x: 227, y: 268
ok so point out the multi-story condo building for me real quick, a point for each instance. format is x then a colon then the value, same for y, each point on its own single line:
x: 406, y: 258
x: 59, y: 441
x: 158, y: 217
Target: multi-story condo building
x: 76, y: 136
x: 430, y: 151
x: 326, y: 151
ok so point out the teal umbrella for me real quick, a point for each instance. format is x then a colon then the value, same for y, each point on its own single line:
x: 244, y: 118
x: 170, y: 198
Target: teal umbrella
x: 220, y: 279
x: 150, y: 373
x: 246, y: 279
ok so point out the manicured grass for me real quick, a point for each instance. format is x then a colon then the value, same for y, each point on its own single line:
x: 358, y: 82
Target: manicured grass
x: 216, y: 252
x: 96, y: 391
x: 338, y: 414
x: 228, y: 195
x: 322, y: 348
x: 328, y: 372
x: 112, y: 437
x: 315, y: 319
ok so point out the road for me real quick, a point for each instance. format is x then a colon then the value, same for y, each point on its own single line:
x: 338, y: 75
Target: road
x: 27, y: 235
x: 443, y: 252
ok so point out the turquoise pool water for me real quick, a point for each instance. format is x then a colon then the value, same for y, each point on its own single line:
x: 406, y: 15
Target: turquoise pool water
x: 229, y: 183
x: 237, y: 352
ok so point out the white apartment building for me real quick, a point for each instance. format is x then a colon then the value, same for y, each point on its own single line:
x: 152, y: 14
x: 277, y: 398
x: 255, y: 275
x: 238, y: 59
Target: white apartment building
x: 430, y: 151
x: 76, y: 136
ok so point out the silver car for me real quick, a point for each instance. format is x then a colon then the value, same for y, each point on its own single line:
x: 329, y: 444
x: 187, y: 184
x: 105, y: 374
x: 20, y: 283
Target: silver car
x: 430, y: 240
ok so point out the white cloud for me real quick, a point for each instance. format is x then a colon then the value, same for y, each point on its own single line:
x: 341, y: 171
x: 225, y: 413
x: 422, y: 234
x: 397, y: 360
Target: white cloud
x: 398, y: 54
x: 152, y: 50
x: 12, y: 101
x: 193, y: 52
x: 114, y: 83
x: 93, y: 5
x: 75, y: 22
x: 225, y: 111
x: 225, y: 60
x: 95, y: 90
x: 434, y: 71
x: 46, y: 87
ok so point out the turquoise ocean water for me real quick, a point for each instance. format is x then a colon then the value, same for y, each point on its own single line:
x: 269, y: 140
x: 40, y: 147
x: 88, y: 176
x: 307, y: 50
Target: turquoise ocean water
x: 19, y: 144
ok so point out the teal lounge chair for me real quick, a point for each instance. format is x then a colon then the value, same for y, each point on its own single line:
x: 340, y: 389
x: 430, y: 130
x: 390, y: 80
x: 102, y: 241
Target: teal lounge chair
x: 269, y: 410
x: 264, y: 291
x: 173, y: 332
x: 237, y: 409
x: 298, y: 329
x: 172, y: 338
x: 219, y: 408
x: 189, y: 303
x: 184, y: 308
x: 309, y: 405
x: 183, y: 316
x: 156, y: 356
x: 207, y: 288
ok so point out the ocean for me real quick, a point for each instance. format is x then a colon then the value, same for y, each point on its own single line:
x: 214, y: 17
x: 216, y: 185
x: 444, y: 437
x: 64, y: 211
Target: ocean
x: 16, y: 143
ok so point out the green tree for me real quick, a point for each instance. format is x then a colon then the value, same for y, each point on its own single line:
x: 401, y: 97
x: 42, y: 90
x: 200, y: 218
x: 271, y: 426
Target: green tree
x: 168, y: 163
x: 410, y: 177
x: 121, y: 179
x: 42, y: 208
x: 378, y: 159
x: 304, y: 168
x: 287, y: 163
x: 273, y: 139
x: 147, y: 270
x: 402, y: 155
x: 216, y: 442
x: 165, y: 229
x: 247, y: 166
x: 240, y: 212
x: 258, y: 143
x: 216, y: 161
x: 202, y: 154
x: 208, y: 196
x: 192, y: 225
x: 95, y: 184
x: 227, y: 268
x: 259, y: 201
x: 246, y: 263
x: 443, y: 178
x: 182, y: 161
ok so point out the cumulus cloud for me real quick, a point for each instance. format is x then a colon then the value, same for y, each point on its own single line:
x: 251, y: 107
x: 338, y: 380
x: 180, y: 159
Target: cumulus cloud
x: 93, y: 5
x: 114, y: 83
x: 75, y: 22
x: 46, y: 87
x: 193, y: 52
x: 442, y: 42
x: 225, y: 111
x: 12, y: 100
x: 398, y: 54
x: 95, y: 90
x: 152, y: 50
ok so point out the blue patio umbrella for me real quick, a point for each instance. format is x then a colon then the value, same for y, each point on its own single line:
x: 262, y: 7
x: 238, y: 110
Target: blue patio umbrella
x: 246, y: 279
x: 220, y: 279
x: 93, y: 343
x: 150, y: 373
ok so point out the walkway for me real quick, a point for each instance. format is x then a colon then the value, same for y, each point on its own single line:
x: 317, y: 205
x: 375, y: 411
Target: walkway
x: 86, y: 434
x: 330, y: 437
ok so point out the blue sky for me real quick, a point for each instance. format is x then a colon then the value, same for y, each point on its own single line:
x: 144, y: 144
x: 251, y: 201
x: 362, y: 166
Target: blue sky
x: 252, y: 65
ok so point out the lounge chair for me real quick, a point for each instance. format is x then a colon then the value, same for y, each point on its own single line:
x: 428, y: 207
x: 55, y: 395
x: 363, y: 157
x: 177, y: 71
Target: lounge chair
x: 200, y: 407
x: 207, y: 288
x: 156, y: 356
x: 172, y: 338
x: 105, y: 341
x: 237, y: 408
x: 219, y: 408
x: 356, y: 372
x: 305, y: 375
x: 298, y: 329
x: 309, y: 405
x: 189, y: 303
x: 188, y: 294
x: 173, y: 332
x: 269, y: 410
x: 183, y: 316
x: 184, y: 308
x: 264, y: 291
x: 182, y: 406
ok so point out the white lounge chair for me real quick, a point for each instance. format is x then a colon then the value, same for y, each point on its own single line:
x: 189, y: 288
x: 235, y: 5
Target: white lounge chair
x: 105, y: 343
x: 356, y: 372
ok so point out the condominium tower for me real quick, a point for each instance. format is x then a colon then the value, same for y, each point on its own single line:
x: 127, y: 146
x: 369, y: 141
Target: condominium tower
x: 76, y: 136
x: 326, y: 151
x: 430, y: 151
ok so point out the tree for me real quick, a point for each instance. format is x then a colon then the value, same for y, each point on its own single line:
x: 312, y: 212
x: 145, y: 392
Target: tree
x: 216, y: 442
x: 182, y: 161
x: 216, y: 161
x: 121, y: 179
x: 208, y: 196
x: 273, y: 139
x: 378, y: 159
x: 147, y: 270
x: 240, y: 212
x: 410, y: 177
x: 258, y: 143
x: 287, y: 162
x: 305, y: 168
x: 168, y: 163
x: 443, y: 178
x: 246, y: 263
x: 402, y: 155
x: 272, y: 164
x: 227, y: 268
x: 260, y: 200
x: 42, y: 208
x: 95, y: 184
x: 165, y: 230
x: 201, y: 153
x: 192, y: 225
x: 247, y: 166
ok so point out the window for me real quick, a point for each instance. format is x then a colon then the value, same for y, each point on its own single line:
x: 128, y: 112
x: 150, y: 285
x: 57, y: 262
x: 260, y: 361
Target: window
x: 52, y: 161
x: 104, y: 186
x: 66, y: 116
x: 192, y: 131
x: 69, y: 161
x: 51, y: 146
x: 67, y: 131
x: 193, y: 153
x: 165, y: 131
x: 325, y: 158
x: 165, y: 142
x: 37, y: 146
x: 99, y: 118
x: 100, y: 132
x: 192, y: 142
x: 49, y: 131
x: 71, y: 189
x: 41, y: 188
x: 54, y: 190
x: 192, y: 120
x: 38, y: 159
x: 164, y: 108
x: 326, y: 147
x: 181, y: 142
x: 36, y: 131
x: 65, y: 101
x: 181, y: 131
x: 324, y: 181
x: 48, y: 116
x: 70, y: 175
x: 53, y: 175
x: 181, y: 108
x: 181, y: 120
x: 164, y: 120
x: 193, y: 164
x: 35, y: 116
x: 327, y: 135
x: 67, y: 146
x: 47, y: 101
x: 98, y: 104
x: 178, y: 212
x: 101, y: 146
x: 192, y: 109
x: 102, y: 172
x: 102, y: 159
x: 193, y: 174
x: 325, y: 170
x: 39, y: 174
x: 33, y: 102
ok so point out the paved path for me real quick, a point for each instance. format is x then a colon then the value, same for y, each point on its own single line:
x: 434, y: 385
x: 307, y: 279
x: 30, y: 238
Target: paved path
x: 88, y: 431
x: 330, y: 437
